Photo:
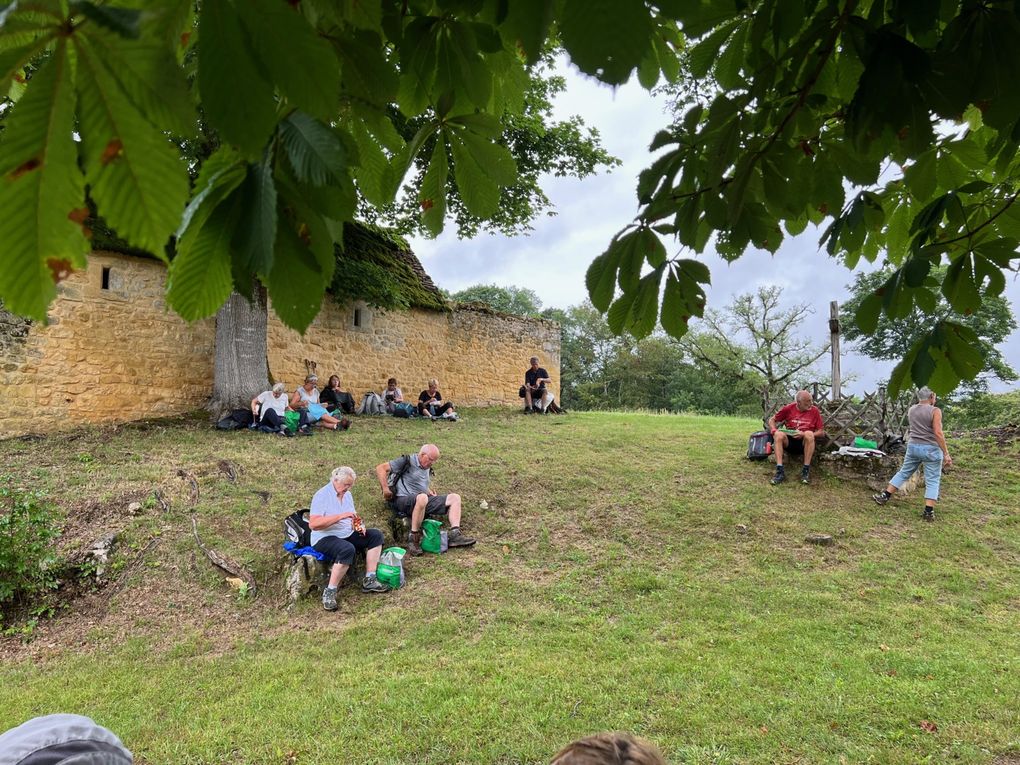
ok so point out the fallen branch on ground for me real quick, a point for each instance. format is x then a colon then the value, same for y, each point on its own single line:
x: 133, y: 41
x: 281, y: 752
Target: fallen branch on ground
x: 223, y: 562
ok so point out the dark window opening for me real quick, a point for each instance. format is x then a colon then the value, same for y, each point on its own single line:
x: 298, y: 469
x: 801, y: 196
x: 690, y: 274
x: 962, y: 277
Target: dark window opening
x: 357, y: 317
x: 106, y: 277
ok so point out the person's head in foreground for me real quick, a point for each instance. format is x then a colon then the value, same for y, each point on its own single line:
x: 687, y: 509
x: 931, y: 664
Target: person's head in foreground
x: 62, y: 739
x: 609, y: 749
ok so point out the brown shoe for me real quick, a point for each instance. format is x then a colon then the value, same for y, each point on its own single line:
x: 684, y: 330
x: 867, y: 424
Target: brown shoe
x: 414, y: 542
x: 458, y: 539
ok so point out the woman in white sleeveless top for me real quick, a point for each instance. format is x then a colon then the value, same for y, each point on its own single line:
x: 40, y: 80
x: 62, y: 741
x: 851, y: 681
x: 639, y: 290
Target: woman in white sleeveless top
x: 926, y: 449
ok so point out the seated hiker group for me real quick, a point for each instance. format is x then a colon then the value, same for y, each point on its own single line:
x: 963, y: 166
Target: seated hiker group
x: 273, y: 411
x: 339, y: 533
x: 797, y: 427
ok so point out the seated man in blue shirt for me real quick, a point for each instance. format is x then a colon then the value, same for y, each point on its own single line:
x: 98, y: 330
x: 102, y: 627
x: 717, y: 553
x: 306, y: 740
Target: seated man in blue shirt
x: 338, y: 533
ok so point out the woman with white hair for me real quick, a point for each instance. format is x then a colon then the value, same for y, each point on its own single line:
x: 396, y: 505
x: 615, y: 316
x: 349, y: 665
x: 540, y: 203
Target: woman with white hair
x: 269, y: 408
x: 926, y: 449
x: 339, y: 533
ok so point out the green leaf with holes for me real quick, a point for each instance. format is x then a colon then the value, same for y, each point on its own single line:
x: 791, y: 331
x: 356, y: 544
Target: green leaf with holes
x: 433, y: 188
x: 135, y: 174
x: 41, y: 191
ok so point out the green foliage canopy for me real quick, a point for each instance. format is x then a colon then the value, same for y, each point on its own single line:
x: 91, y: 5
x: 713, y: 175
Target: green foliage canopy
x: 991, y: 322
x: 895, y: 123
x: 516, y: 300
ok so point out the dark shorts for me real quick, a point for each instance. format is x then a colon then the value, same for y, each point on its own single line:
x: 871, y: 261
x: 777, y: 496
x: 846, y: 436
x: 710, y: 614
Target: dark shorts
x: 342, y: 550
x: 793, y: 445
x: 403, y: 506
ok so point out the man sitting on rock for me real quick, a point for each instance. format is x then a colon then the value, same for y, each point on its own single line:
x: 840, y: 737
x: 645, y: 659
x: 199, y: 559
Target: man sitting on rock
x: 794, y: 429
x: 339, y: 533
x: 410, y: 495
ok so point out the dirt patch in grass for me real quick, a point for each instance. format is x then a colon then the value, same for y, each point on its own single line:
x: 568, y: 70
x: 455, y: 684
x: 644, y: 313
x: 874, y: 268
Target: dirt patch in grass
x: 1003, y: 436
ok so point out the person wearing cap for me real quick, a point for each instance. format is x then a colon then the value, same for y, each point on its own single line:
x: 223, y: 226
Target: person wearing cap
x: 269, y: 408
x: 306, y: 398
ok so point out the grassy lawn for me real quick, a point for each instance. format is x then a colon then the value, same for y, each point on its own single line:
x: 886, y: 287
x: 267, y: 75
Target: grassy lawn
x: 611, y: 589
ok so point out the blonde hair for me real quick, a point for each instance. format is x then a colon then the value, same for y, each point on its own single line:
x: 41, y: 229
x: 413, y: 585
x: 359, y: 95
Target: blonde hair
x: 433, y: 382
x: 609, y: 749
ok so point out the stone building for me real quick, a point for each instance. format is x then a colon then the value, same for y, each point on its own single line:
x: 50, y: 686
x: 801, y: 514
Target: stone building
x: 113, y: 352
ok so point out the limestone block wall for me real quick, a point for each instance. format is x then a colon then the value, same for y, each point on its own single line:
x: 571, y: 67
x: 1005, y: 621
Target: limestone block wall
x: 114, y: 352
x: 478, y: 356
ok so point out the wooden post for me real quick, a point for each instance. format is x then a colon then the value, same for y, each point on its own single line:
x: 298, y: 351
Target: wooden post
x: 837, y: 393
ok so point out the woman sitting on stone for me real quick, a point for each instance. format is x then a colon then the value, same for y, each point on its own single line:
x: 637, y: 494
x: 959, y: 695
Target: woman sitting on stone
x: 392, y: 395
x: 269, y: 408
x: 430, y: 403
x: 307, y: 398
x: 335, y: 400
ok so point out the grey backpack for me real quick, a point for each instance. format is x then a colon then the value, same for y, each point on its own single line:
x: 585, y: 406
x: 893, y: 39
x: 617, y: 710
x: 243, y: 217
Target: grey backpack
x: 372, y: 404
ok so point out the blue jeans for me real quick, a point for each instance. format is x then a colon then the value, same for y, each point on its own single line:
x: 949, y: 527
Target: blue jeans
x: 928, y: 456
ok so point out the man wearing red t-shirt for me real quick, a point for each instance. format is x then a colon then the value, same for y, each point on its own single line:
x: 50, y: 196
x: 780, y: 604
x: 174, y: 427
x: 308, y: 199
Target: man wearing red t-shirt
x: 794, y: 429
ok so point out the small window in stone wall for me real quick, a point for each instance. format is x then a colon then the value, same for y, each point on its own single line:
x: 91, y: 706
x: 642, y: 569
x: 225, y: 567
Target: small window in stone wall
x: 106, y: 278
x: 361, y: 317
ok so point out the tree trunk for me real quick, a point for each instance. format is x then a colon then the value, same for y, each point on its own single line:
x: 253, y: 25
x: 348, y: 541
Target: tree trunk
x: 242, y: 369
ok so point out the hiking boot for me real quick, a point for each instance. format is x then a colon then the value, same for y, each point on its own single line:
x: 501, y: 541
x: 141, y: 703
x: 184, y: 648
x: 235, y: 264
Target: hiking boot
x: 929, y: 514
x: 457, y: 538
x: 414, y: 542
x: 805, y: 475
x: 372, y: 584
x: 329, y: 599
x: 779, y: 477
x: 304, y: 430
x: 880, y: 498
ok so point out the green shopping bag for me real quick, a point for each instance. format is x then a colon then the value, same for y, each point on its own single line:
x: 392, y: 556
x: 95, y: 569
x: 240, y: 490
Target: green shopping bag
x: 432, y: 536
x: 390, y: 570
x: 292, y: 419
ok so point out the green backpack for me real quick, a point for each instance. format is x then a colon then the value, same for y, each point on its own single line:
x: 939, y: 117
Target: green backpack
x: 432, y: 540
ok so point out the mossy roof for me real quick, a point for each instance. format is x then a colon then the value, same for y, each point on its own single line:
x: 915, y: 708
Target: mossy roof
x: 362, y: 241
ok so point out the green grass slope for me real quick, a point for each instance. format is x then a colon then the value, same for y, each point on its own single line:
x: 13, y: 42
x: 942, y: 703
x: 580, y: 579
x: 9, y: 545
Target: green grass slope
x: 614, y: 586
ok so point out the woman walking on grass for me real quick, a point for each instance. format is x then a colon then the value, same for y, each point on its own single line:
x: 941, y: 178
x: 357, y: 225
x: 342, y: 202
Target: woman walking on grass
x: 926, y: 448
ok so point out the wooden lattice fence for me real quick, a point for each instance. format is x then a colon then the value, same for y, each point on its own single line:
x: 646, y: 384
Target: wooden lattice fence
x: 874, y: 416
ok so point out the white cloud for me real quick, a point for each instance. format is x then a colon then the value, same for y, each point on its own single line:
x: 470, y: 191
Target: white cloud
x: 552, y: 260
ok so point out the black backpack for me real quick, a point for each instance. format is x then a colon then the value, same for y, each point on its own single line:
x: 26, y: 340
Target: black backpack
x: 759, y: 445
x: 237, y: 419
x: 296, y: 528
x: 395, y: 475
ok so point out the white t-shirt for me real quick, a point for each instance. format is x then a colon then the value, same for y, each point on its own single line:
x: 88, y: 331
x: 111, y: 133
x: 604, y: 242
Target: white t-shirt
x: 268, y: 401
x: 306, y: 397
x: 325, y: 503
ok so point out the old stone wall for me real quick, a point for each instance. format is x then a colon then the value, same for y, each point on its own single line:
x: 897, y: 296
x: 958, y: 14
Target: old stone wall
x: 479, y: 357
x: 114, y: 352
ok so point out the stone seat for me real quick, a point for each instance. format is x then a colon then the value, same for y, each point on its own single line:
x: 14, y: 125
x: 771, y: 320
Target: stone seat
x: 307, y: 576
x: 871, y: 470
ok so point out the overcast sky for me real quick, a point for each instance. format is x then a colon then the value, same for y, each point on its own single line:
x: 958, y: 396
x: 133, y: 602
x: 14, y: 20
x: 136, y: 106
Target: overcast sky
x: 552, y: 260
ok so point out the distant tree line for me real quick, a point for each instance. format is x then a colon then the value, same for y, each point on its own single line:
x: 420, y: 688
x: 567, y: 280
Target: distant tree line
x: 726, y: 361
